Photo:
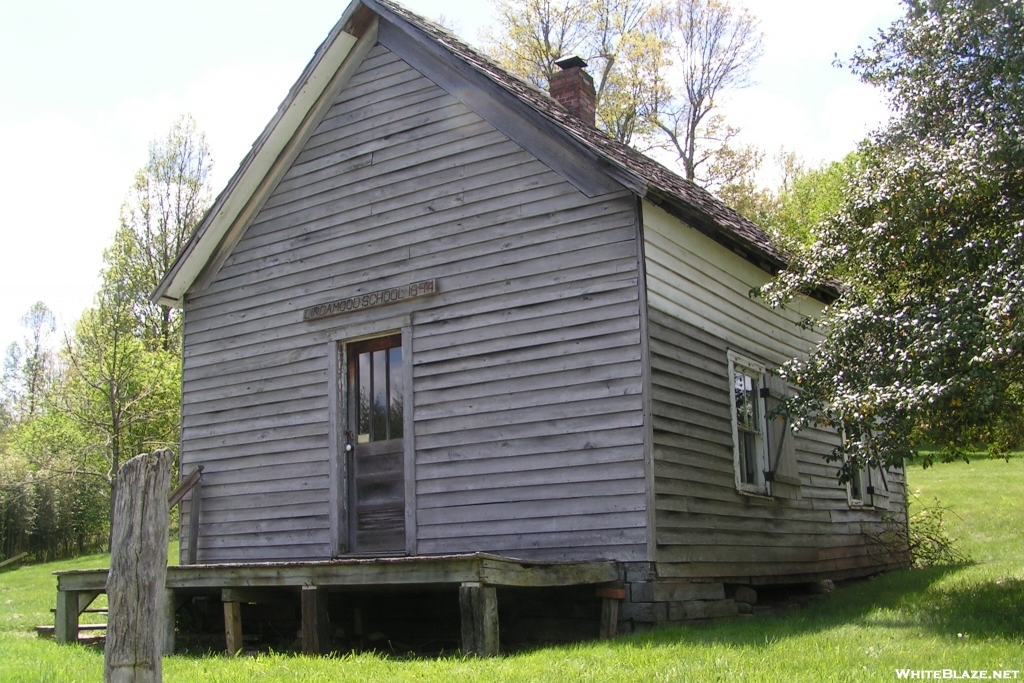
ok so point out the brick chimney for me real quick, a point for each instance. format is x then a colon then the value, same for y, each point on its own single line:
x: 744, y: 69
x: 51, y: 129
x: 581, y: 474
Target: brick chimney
x: 574, y: 88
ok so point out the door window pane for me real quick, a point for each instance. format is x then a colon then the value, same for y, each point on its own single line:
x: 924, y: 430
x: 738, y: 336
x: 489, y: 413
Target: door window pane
x: 365, y: 393
x: 379, y: 424
x: 397, y: 392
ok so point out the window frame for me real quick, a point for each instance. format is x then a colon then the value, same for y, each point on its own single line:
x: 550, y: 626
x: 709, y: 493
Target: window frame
x: 856, y: 489
x: 754, y: 370
x: 868, y: 495
x: 354, y: 351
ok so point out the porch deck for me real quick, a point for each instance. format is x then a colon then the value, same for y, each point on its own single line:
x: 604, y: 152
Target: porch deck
x: 477, y: 575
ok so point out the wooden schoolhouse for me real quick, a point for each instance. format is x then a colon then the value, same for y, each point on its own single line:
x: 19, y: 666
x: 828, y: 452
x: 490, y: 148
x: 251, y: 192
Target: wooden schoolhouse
x: 436, y: 313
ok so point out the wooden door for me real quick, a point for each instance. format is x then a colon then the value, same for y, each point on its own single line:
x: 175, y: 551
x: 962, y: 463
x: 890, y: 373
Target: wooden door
x: 376, y: 486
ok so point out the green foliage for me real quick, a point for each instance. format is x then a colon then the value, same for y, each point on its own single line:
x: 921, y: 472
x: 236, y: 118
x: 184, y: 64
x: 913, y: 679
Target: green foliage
x: 810, y: 198
x: 929, y: 539
x: 45, y: 508
x: 924, y: 344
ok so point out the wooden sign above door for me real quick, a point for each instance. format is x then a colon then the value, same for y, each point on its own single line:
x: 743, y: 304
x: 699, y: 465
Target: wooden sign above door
x: 381, y: 297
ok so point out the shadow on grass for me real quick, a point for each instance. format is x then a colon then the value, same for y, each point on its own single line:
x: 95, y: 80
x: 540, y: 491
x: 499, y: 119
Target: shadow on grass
x: 901, y: 599
x: 990, y: 609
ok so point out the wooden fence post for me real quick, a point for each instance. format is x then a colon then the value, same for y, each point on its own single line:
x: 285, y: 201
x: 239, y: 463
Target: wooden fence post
x: 138, y: 571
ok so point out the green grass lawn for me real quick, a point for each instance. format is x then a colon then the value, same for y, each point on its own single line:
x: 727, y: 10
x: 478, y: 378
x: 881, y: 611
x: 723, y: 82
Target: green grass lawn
x: 962, y: 618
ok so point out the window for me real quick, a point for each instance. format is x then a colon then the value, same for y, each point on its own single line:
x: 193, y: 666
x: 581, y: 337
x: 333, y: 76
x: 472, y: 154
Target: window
x: 748, y: 425
x: 868, y: 487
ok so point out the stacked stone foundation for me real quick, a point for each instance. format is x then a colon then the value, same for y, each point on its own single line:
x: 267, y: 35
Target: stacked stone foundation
x: 651, y: 601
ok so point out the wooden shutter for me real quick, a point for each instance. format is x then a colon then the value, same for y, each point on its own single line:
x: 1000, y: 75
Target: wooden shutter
x: 879, y: 483
x: 782, y: 467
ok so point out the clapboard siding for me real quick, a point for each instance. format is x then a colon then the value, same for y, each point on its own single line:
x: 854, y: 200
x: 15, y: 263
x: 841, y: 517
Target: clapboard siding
x: 699, y: 308
x: 527, y: 390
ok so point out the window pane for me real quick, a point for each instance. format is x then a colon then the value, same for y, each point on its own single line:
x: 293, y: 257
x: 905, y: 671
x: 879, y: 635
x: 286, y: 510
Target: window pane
x: 379, y: 419
x: 753, y: 400
x: 748, y: 457
x: 365, y: 392
x: 745, y: 390
x: 396, y: 392
x: 740, y: 394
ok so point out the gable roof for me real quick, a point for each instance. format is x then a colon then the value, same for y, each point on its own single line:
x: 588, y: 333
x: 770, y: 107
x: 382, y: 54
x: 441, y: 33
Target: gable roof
x: 334, y: 62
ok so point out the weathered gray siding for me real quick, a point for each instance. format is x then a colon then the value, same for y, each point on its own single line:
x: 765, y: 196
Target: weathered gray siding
x: 698, y: 309
x: 527, y: 403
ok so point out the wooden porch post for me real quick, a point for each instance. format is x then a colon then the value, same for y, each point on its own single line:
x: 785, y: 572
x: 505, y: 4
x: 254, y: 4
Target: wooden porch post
x: 479, y: 607
x: 610, y: 597
x: 316, y: 627
x: 66, y: 619
x: 233, y: 627
x: 170, y: 622
x: 609, y: 618
x: 195, y: 510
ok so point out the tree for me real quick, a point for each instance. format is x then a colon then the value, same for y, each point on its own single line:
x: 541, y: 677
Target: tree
x: 924, y: 345
x: 120, y: 392
x: 808, y: 198
x: 805, y: 198
x: 117, y: 390
x: 659, y: 70
x: 716, y: 47
x: 28, y: 365
x: 163, y: 208
x: 623, y: 42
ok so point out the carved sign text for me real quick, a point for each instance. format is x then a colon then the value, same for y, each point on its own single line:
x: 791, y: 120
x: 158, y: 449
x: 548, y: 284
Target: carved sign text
x: 381, y: 297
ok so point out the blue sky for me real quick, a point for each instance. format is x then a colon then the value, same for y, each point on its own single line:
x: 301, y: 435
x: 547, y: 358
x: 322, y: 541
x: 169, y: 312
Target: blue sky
x: 84, y: 88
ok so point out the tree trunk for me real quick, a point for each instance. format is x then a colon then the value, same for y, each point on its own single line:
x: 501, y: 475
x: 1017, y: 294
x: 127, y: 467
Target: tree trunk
x: 138, y: 571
